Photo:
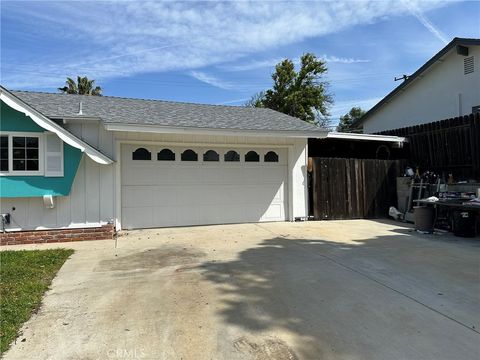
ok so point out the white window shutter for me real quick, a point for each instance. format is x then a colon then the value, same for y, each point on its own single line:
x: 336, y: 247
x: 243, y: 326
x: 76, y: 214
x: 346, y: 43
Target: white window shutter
x: 53, y: 156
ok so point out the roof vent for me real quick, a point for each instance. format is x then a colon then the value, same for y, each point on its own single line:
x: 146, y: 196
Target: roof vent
x: 462, y: 50
x: 80, y: 110
x: 468, y: 65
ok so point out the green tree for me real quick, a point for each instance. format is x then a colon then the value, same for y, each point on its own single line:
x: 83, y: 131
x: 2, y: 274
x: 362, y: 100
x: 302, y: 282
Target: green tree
x: 83, y: 86
x: 301, y: 93
x: 348, y: 122
x: 256, y: 100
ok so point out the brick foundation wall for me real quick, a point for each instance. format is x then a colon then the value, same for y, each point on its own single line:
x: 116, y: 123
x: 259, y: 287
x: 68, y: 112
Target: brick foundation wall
x: 60, y: 235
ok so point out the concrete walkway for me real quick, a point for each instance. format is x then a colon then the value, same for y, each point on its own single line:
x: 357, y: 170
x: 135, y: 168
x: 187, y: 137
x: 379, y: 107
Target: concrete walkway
x: 316, y: 290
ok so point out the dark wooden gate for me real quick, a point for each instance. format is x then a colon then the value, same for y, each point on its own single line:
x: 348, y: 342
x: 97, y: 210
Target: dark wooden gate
x: 354, y: 188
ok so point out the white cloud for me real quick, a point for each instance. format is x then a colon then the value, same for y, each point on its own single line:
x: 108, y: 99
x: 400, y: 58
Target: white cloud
x: 415, y: 11
x: 252, y: 65
x: 210, y: 80
x: 234, y: 102
x: 114, y: 39
x: 270, y: 63
x: 342, y: 60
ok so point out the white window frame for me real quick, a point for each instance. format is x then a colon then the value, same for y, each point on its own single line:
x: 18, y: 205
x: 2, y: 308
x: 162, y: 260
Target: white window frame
x: 41, y: 153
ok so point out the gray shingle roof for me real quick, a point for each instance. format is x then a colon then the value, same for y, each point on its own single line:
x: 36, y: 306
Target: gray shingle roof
x: 116, y: 110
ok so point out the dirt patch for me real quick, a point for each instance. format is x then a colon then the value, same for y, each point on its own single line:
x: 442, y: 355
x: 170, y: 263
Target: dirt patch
x: 268, y: 349
x: 152, y: 259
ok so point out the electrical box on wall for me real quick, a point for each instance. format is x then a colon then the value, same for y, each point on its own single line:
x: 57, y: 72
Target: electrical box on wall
x: 6, y: 218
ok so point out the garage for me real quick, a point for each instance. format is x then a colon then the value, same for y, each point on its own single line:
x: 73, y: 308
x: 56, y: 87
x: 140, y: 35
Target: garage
x: 166, y: 185
x: 166, y: 164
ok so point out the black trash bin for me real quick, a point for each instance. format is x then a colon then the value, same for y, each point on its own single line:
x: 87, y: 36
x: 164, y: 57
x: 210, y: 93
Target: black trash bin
x: 424, y: 218
x: 463, y: 223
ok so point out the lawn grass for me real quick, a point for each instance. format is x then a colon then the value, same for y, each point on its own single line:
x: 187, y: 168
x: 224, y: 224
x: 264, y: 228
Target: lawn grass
x: 24, y: 278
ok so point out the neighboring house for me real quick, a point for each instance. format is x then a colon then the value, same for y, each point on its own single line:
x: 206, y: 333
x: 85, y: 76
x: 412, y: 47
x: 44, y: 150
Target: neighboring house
x: 446, y: 86
x: 149, y: 163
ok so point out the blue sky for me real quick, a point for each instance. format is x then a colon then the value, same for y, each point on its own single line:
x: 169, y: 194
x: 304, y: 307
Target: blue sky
x: 222, y: 53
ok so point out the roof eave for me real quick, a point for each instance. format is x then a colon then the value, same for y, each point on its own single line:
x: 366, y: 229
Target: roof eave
x: 321, y: 133
x: 456, y: 41
x: 16, y: 103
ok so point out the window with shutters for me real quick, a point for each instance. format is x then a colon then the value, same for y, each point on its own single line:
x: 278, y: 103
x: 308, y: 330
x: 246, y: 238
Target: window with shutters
x: 21, y: 153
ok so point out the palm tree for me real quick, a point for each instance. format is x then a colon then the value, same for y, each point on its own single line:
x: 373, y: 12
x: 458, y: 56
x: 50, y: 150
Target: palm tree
x: 83, y: 86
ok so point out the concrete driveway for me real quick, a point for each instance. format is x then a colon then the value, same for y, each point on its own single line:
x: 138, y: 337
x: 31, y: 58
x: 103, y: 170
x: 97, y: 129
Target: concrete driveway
x: 316, y: 290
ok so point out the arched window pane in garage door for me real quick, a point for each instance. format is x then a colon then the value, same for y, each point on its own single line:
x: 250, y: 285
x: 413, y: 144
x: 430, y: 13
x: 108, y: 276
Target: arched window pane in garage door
x: 271, y: 156
x: 166, y: 155
x: 252, y: 156
x: 141, y: 154
x: 211, y: 155
x: 232, y: 156
x: 189, y: 155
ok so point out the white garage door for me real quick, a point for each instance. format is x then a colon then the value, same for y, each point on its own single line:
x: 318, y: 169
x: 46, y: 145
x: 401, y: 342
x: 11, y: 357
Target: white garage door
x: 177, y: 186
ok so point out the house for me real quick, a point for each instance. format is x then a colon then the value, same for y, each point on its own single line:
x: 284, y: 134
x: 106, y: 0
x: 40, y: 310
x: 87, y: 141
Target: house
x: 87, y: 164
x: 446, y: 86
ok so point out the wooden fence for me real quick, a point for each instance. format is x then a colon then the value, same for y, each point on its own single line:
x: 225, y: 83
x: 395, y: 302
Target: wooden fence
x: 447, y: 146
x: 354, y: 188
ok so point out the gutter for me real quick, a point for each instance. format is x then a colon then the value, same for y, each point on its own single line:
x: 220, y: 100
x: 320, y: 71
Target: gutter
x: 366, y: 137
